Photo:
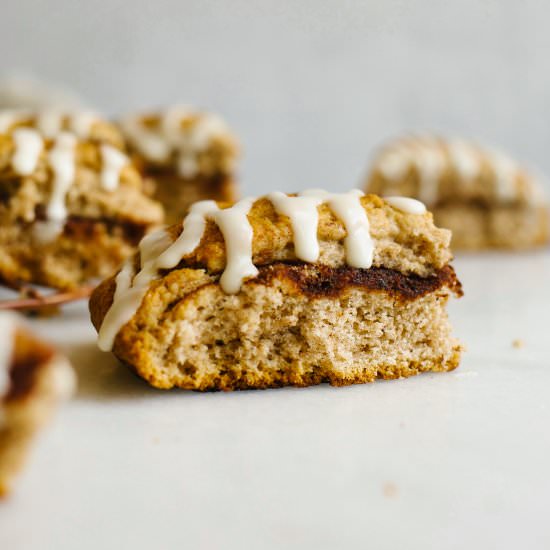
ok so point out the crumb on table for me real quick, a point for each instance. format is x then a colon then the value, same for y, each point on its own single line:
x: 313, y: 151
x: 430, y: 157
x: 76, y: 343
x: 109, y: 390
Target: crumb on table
x: 518, y: 343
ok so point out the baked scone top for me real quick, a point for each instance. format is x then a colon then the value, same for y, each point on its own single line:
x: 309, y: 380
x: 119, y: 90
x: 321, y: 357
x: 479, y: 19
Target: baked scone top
x: 314, y: 227
x: 435, y: 170
x: 48, y: 173
x: 181, y: 139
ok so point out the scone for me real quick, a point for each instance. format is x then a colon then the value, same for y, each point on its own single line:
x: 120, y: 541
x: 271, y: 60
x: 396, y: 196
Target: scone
x: 34, y: 378
x: 72, y: 205
x: 190, y: 155
x: 483, y: 196
x: 284, y: 290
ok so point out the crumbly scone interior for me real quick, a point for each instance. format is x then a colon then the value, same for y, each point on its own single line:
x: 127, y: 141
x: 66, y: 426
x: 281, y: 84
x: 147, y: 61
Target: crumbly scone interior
x: 278, y: 331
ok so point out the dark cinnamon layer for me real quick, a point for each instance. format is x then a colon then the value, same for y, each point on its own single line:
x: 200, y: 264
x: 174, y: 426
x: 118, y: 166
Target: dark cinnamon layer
x: 319, y: 281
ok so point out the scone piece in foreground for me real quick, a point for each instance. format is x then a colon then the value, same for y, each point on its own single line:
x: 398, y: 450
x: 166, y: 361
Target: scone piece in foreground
x: 190, y: 155
x: 72, y: 205
x: 284, y: 290
x: 486, y: 198
x: 34, y: 378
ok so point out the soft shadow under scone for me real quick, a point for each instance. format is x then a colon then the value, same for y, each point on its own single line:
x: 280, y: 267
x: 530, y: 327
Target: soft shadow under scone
x: 295, y: 323
x: 34, y: 379
x: 482, y: 195
x: 189, y: 155
x: 102, y: 212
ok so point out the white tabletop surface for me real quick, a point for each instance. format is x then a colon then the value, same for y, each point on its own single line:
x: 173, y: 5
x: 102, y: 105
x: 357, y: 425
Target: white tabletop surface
x: 457, y: 460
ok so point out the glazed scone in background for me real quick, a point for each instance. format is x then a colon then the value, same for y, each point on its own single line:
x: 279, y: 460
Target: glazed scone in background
x: 482, y: 195
x: 190, y: 156
x: 293, y: 322
x: 72, y: 205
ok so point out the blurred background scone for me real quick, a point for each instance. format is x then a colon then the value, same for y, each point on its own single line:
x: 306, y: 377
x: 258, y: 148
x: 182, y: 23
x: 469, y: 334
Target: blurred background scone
x: 190, y: 155
x: 34, y: 379
x: 486, y: 198
x: 72, y: 205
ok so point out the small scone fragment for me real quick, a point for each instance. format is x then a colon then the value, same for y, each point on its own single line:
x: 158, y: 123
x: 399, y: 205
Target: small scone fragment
x: 284, y: 290
x: 72, y: 205
x: 34, y: 378
x: 482, y: 195
x: 188, y: 154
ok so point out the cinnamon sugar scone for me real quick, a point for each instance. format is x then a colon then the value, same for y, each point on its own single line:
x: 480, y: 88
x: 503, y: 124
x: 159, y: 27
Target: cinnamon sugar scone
x: 34, y: 378
x: 72, y: 205
x: 190, y: 155
x: 284, y: 290
x: 483, y: 196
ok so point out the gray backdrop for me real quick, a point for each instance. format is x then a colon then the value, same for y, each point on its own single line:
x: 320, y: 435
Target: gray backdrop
x: 311, y: 87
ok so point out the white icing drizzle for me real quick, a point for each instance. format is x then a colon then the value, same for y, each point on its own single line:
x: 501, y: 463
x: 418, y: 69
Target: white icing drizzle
x: 425, y: 154
x: 347, y: 207
x: 407, y: 205
x: 430, y: 163
x: 194, y: 225
x: 62, y: 162
x: 49, y: 123
x: 465, y: 159
x: 80, y: 123
x: 151, y: 145
x: 173, y: 137
x: 9, y: 117
x: 157, y: 252
x: 28, y: 146
x: 113, y: 161
x: 506, y: 174
x: 130, y: 288
x: 304, y: 218
x: 7, y: 336
x: 237, y: 233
